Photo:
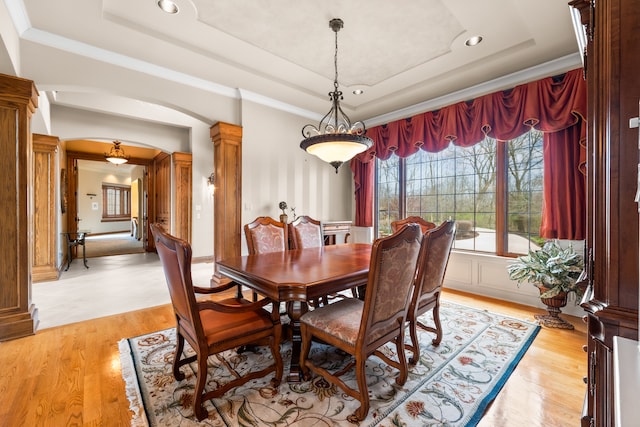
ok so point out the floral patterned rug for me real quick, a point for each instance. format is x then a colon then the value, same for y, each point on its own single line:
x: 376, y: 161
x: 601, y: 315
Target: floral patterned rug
x: 451, y: 385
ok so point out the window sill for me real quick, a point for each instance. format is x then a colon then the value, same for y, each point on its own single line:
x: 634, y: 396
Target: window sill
x: 127, y: 219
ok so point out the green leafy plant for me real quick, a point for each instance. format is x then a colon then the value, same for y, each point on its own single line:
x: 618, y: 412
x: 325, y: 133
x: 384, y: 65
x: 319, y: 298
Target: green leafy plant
x: 552, y: 267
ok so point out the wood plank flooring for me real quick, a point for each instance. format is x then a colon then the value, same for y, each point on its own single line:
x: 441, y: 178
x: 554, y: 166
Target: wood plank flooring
x: 70, y: 375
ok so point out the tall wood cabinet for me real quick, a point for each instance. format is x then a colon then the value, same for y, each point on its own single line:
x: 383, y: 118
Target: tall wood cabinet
x: 612, y: 68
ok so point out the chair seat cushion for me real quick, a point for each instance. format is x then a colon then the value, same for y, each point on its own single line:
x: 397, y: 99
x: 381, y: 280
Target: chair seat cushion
x: 340, y: 319
x: 219, y: 327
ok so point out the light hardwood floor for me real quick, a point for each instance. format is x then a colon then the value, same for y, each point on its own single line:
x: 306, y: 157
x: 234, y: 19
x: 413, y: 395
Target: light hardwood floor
x: 70, y: 375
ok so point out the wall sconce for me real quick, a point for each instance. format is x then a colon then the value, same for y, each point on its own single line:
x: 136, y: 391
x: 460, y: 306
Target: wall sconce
x: 91, y: 195
x: 211, y: 183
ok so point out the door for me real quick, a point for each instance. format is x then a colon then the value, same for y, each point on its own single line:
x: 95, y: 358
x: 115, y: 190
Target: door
x: 162, y: 194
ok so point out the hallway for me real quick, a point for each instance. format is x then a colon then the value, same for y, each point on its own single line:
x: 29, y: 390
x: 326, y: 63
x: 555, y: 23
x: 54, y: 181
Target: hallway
x: 111, y: 285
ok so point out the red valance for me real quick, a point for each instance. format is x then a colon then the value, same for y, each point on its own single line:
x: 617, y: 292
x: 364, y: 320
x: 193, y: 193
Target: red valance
x: 553, y: 104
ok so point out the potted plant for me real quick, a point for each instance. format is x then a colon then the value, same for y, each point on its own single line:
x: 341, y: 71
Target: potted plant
x: 554, y: 271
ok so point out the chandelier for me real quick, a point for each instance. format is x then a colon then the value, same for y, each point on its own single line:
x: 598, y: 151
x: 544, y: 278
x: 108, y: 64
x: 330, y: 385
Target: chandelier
x: 335, y: 140
x: 116, y: 155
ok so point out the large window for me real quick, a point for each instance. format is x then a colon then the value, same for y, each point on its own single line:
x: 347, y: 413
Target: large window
x: 116, y: 202
x: 493, y: 190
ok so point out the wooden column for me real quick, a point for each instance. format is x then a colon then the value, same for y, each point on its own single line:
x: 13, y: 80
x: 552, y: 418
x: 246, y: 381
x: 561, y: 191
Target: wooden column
x: 227, y: 196
x: 183, y: 182
x: 44, y: 202
x: 18, y: 101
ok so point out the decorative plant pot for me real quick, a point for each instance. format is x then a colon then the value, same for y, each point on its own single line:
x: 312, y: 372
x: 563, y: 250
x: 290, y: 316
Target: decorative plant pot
x: 553, y: 320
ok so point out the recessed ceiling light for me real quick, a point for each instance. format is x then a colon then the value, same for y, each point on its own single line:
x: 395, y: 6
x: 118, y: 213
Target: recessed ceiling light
x: 358, y: 92
x: 168, y: 6
x: 472, y: 41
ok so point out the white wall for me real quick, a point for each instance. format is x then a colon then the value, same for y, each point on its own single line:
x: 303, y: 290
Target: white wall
x: 275, y: 168
x: 9, y: 45
x: 202, y: 209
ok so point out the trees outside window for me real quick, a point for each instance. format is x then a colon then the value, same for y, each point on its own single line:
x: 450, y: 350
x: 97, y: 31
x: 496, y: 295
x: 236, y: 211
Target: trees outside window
x: 492, y: 189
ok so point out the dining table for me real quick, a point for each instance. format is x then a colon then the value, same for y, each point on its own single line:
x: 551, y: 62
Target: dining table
x: 296, y: 277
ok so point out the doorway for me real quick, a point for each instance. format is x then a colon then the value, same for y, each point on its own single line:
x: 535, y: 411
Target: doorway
x: 110, y: 208
x: 86, y: 197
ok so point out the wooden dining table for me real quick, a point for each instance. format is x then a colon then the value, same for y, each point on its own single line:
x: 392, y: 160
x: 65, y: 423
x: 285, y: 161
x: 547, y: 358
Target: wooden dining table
x: 298, y: 276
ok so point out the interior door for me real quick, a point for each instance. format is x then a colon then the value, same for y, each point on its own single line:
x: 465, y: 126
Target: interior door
x: 163, y: 190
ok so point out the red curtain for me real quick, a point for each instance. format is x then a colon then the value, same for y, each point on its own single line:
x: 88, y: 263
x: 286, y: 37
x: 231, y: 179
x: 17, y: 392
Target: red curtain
x: 553, y: 104
x: 563, y: 206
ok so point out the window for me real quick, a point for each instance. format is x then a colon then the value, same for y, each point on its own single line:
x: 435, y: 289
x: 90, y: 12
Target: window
x: 492, y: 189
x: 116, y: 202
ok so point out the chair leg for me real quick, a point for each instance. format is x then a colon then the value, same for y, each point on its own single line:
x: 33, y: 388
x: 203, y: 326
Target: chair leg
x: 361, y: 413
x: 177, y: 374
x: 304, y: 352
x: 414, y: 342
x: 274, y: 343
x: 198, y: 409
x: 402, y: 359
x: 436, y: 320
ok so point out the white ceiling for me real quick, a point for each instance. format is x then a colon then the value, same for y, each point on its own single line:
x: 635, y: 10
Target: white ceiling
x: 404, y: 55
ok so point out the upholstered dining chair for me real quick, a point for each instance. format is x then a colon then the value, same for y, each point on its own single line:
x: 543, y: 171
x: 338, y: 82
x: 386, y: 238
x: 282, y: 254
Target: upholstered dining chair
x: 211, y: 327
x: 264, y: 234
x: 432, y: 266
x: 424, y: 224
x: 358, y: 327
x: 305, y: 232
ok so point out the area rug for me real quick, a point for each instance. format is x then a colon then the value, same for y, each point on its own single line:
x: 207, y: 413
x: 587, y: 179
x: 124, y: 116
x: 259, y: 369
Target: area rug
x: 451, y: 385
x: 112, y: 244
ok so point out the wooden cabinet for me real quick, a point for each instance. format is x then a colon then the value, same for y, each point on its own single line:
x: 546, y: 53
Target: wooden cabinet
x: 335, y: 231
x: 612, y: 68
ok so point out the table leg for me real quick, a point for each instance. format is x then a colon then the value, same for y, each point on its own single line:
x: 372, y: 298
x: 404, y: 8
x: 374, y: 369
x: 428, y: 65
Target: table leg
x: 84, y: 255
x: 69, y: 246
x: 295, y: 310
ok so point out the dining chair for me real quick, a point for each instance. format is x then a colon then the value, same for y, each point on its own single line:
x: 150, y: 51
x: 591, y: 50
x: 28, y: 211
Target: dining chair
x: 264, y: 234
x: 432, y: 266
x: 305, y: 232
x: 212, y: 327
x: 424, y: 224
x: 358, y: 327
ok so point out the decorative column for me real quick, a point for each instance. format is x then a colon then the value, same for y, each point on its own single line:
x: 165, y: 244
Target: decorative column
x: 18, y: 101
x: 227, y: 196
x: 183, y: 185
x: 44, y: 201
